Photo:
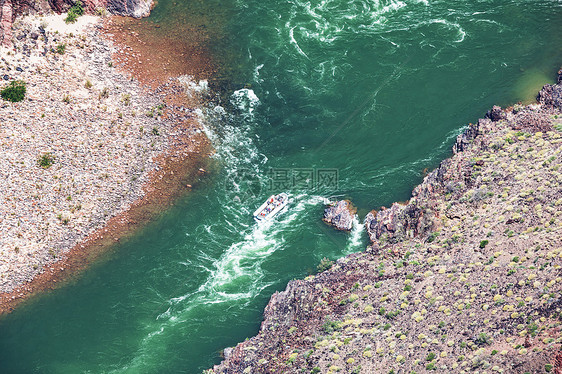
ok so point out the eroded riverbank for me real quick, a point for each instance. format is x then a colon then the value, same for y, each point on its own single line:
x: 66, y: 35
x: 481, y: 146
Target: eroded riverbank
x: 116, y: 152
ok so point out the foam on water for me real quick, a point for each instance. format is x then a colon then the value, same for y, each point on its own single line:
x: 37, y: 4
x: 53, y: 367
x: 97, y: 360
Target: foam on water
x: 355, y: 241
x: 246, y: 100
x: 194, y: 85
x: 235, y: 278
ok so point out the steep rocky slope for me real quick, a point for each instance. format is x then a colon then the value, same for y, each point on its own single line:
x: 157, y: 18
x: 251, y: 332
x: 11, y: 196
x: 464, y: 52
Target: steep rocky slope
x: 465, y: 277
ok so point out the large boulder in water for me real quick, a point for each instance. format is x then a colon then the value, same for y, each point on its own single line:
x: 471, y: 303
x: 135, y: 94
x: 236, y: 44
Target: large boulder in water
x: 340, y: 214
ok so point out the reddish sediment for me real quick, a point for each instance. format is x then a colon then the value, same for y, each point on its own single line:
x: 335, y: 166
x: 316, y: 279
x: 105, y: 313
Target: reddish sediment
x: 152, y: 55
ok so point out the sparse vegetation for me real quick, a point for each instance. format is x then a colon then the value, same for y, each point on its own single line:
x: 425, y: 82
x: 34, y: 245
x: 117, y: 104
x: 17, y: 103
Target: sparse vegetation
x: 61, y: 48
x: 483, y: 339
x: 104, y: 94
x: 126, y: 99
x: 330, y: 326
x: 46, y: 160
x: 14, y: 92
x: 74, y: 12
x: 101, y: 12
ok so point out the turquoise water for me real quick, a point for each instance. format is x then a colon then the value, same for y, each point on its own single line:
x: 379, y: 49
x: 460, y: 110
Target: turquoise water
x: 373, y: 90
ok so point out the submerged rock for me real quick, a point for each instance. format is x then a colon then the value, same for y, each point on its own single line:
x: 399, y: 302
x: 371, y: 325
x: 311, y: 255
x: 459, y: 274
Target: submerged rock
x: 340, y: 214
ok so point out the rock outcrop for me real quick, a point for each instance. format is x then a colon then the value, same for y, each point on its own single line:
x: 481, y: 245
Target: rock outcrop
x: 340, y: 215
x: 6, y: 19
x: 397, y: 223
x: 551, y: 94
x: 467, y: 276
x: 129, y: 8
x: 10, y: 9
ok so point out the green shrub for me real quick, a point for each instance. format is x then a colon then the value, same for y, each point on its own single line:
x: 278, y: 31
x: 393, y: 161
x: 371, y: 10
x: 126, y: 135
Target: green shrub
x: 432, y: 237
x: 74, y: 12
x: 14, y: 92
x: 330, y: 326
x: 61, y: 48
x: 483, y: 243
x: 483, y: 339
x: 46, y: 160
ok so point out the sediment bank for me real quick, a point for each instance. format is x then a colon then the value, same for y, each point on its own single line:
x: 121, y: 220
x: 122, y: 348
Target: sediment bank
x: 119, y: 152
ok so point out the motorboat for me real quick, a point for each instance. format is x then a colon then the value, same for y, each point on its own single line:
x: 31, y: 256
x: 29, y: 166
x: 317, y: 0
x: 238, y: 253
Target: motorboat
x: 272, y: 206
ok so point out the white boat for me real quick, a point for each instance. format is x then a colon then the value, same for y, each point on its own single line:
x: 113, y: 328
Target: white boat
x: 272, y: 206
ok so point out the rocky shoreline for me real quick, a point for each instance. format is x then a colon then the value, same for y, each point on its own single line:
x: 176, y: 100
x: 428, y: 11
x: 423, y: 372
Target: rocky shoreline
x: 118, y: 152
x: 465, y: 277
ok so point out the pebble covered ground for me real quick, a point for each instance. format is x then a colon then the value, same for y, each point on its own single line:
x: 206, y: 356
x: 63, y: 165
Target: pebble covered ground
x: 81, y: 146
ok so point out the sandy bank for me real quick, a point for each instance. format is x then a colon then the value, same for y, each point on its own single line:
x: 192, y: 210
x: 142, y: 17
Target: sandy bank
x: 120, y: 152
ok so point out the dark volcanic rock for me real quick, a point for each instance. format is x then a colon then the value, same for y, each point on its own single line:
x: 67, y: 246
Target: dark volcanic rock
x: 496, y: 113
x: 132, y: 8
x: 464, y: 139
x: 340, y: 215
x: 551, y: 94
x: 398, y: 223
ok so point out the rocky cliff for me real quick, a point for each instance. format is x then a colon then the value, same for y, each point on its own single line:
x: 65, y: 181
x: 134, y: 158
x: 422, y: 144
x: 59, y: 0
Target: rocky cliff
x: 465, y: 277
x: 10, y: 9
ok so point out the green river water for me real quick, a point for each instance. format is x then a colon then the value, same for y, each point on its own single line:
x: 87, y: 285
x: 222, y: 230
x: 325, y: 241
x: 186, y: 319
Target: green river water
x: 369, y: 91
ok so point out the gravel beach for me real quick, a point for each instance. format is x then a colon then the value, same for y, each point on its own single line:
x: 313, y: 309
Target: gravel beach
x: 86, y: 144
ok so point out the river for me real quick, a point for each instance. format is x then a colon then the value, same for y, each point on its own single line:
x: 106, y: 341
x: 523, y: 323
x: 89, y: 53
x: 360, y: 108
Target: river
x: 318, y: 98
